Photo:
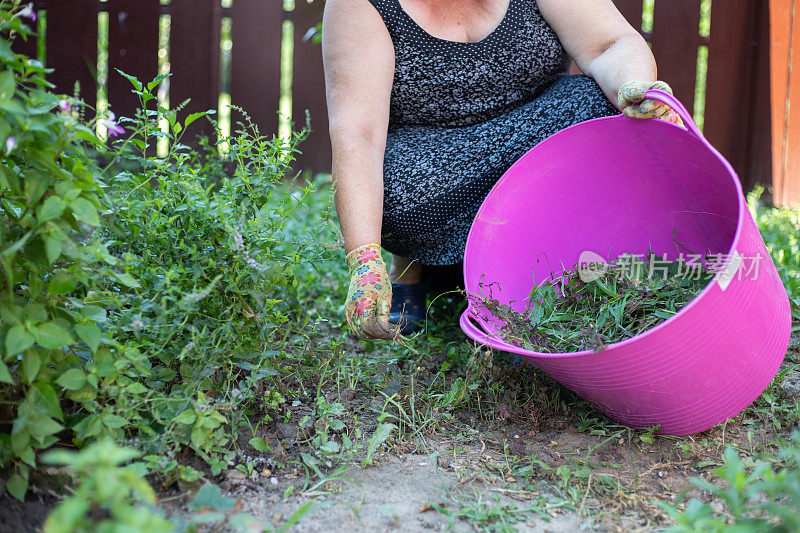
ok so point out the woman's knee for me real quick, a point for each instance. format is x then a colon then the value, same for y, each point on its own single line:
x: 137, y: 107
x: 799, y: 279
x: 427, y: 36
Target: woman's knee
x: 598, y: 103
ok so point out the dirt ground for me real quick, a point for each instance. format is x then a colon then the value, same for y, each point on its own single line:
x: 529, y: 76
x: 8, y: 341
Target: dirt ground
x: 399, y: 494
x: 521, y: 468
x: 469, y: 485
x: 471, y: 474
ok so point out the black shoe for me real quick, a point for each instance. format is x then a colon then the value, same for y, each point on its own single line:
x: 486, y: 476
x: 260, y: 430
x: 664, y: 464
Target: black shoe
x: 444, y: 278
x: 408, y: 306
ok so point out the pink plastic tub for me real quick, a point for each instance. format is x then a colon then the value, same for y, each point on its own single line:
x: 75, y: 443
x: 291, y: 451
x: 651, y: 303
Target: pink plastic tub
x: 617, y: 186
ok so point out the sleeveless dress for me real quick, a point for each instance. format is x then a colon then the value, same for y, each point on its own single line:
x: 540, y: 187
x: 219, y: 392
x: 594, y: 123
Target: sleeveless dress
x: 461, y: 114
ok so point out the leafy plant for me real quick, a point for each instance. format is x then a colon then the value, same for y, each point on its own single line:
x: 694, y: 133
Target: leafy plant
x: 49, y: 261
x: 109, y: 497
x: 146, y: 298
x: 214, y: 276
x: 571, y: 313
x: 780, y: 228
x: 758, y: 497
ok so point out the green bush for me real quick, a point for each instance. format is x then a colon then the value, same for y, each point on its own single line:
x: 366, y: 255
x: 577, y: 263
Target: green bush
x: 49, y: 200
x: 144, y: 292
x: 757, y: 497
x: 110, y: 497
x: 780, y: 228
x: 215, y: 272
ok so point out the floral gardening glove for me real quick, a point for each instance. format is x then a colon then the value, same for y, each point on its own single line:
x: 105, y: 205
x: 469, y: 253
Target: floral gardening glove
x: 370, y: 296
x: 632, y: 100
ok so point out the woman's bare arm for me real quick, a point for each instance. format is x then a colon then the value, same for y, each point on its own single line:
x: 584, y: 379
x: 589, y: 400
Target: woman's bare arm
x: 358, y: 56
x: 601, y: 42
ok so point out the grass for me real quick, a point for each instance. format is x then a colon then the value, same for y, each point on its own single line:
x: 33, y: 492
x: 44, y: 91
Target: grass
x: 587, y: 310
x: 437, y: 385
x: 522, y: 447
x: 352, y: 401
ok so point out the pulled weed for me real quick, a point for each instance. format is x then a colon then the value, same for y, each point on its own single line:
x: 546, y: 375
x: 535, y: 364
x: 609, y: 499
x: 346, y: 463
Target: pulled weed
x: 572, y: 314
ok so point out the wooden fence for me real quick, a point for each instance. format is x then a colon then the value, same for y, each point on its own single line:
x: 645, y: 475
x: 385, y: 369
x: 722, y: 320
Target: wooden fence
x: 744, y: 95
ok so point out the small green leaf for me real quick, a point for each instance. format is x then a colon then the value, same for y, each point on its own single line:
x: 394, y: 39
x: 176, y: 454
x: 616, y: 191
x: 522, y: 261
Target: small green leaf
x: 31, y: 364
x: 5, y: 375
x: 379, y: 437
x: 62, y: 283
x: 7, y: 84
x: 331, y: 447
x: 72, y: 379
x: 17, y: 486
x: 53, y: 247
x: 50, y: 209
x: 210, y: 497
x: 90, y: 334
x: 92, y: 312
x: 136, y: 388
x: 156, y: 82
x: 136, y: 83
x: 46, y: 399
x: 18, y: 340
x: 194, y: 116
x: 10, y: 251
x: 186, y: 417
x: 85, y: 210
x: 198, y: 437
x: 28, y: 457
x: 127, y: 280
x: 114, y: 421
x: 312, y: 463
x: 259, y: 444
x: 187, y: 473
x: 51, y: 335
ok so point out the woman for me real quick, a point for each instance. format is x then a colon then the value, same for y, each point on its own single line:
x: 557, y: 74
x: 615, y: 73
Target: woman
x: 430, y: 101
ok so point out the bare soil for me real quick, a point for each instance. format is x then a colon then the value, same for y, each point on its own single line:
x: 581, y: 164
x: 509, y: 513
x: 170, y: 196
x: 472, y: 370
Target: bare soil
x: 518, y: 467
x: 474, y: 472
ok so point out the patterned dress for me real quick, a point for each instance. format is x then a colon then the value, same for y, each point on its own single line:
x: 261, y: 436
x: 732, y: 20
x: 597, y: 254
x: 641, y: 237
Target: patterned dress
x: 461, y: 114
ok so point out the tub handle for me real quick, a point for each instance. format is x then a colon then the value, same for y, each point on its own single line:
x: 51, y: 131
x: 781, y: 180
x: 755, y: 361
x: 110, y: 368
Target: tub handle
x: 472, y: 326
x: 678, y: 107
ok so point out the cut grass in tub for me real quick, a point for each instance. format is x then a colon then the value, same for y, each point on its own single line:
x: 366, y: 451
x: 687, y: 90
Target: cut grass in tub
x: 583, y: 310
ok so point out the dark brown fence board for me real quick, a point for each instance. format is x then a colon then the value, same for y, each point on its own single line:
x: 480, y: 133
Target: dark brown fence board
x: 256, y: 61
x: 132, y: 48
x: 194, y: 59
x: 675, y: 41
x: 632, y: 11
x: 308, y: 90
x: 730, y: 57
x: 71, y: 46
x: 29, y: 46
x: 758, y: 143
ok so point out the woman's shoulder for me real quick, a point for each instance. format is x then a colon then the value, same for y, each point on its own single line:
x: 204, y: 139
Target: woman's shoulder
x: 354, y: 15
x: 356, y: 7
x: 353, y: 31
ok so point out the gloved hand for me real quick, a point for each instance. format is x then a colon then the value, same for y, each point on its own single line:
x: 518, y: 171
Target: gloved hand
x: 632, y: 100
x: 370, y: 295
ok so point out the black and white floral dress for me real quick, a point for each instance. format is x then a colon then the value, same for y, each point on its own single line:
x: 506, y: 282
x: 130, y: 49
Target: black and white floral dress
x: 461, y: 114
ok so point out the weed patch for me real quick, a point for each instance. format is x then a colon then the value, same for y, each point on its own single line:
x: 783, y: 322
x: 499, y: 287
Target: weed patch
x: 572, y: 313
